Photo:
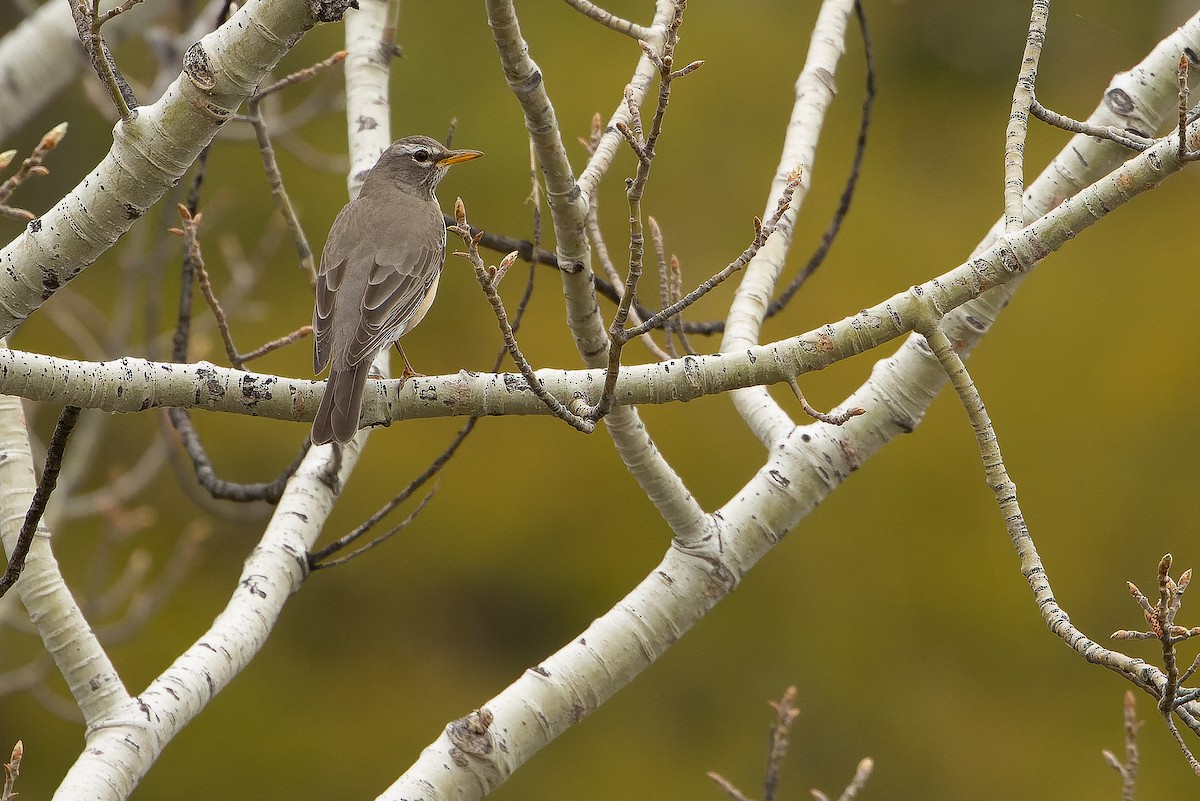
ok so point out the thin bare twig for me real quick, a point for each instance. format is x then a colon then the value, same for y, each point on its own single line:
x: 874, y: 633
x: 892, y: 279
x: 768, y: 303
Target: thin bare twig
x: 786, y: 714
x: 30, y: 167
x: 666, y: 295
x: 727, y: 787
x: 217, y: 487
x: 503, y: 244
x: 761, y: 234
x: 1018, y: 119
x: 87, y: 24
x: 1127, y: 139
x: 1165, y: 685
x: 202, y: 467
x: 191, y: 243
x: 838, y: 419
x: 319, y: 560
x: 861, y: 774
x: 275, y: 344
x: 1160, y: 618
x: 12, y: 769
x: 489, y: 279
x: 194, y: 255
x: 643, y: 146
x: 1128, y: 768
x: 1184, y: 114
x: 609, y: 20
x: 675, y: 292
x: 271, y: 165
x: 41, y: 496
x: 299, y: 76
x: 116, y: 10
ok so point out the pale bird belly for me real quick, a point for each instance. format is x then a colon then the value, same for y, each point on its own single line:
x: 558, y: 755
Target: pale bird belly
x: 410, y: 322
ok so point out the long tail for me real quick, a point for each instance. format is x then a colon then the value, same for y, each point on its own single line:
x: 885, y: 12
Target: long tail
x: 337, y: 416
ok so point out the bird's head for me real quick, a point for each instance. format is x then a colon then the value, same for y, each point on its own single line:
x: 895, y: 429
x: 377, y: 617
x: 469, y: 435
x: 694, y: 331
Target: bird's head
x: 415, y: 164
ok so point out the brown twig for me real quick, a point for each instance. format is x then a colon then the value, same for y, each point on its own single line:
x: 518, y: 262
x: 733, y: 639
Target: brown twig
x: 666, y: 282
x: 676, y: 294
x: 271, y: 164
x: 1160, y: 617
x: 275, y: 344
x: 30, y: 166
x: 190, y: 232
x: 41, y: 496
x: 761, y: 234
x: 1128, y: 768
x: 600, y: 249
x: 202, y: 467
x: 12, y: 769
x: 194, y: 255
x: 299, y: 76
x: 319, y: 560
x: 87, y: 25
x: 1184, y: 115
x: 191, y: 244
x: 838, y: 419
x: 786, y: 714
x: 217, y: 487
x: 670, y: 290
x: 489, y: 279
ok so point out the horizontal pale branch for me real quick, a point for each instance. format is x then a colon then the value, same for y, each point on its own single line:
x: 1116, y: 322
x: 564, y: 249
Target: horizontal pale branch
x: 130, y: 385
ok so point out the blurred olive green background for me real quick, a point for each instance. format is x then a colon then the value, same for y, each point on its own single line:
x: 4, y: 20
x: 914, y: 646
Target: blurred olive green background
x: 896, y: 608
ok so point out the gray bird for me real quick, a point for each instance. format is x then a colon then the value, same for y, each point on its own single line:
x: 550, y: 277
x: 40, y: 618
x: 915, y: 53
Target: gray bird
x: 379, y: 273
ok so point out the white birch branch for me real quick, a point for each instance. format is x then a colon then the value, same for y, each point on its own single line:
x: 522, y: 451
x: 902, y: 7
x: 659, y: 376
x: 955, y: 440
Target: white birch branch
x: 122, y: 749
x: 815, y: 90
x: 902, y: 387
x: 568, y: 207
x: 66, y: 635
x: 642, y: 79
x: 568, y: 211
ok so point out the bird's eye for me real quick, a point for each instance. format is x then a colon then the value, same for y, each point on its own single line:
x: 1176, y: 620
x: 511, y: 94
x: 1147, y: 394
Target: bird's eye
x: 421, y: 155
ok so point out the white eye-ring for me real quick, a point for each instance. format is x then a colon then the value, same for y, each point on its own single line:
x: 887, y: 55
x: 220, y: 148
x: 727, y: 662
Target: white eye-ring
x: 421, y: 155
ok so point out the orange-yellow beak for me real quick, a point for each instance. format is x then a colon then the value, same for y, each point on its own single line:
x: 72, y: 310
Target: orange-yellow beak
x: 455, y: 156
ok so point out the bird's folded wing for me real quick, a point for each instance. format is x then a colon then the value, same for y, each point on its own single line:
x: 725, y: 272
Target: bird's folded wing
x: 394, y: 293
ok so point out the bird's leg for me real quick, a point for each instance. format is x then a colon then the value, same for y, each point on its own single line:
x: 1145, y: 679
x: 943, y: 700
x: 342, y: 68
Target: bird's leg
x: 409, y: 372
